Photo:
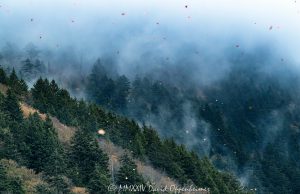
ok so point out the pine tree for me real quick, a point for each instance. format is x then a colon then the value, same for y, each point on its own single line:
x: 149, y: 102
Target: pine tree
x: 99, y: 181
x: 27, y: 70
x: 121, y: 93
x: 3, y: 76
x: 128, y: 175
x: 19, y: 87
x: 40, y: 95
x: 12, y: 108
x: 59, y: 183
x: 85, y: 155
x: 13, y: 78
x: 10, y: 185
x: 56, y: 164
x: 44, y: 151
x: 8, y: 148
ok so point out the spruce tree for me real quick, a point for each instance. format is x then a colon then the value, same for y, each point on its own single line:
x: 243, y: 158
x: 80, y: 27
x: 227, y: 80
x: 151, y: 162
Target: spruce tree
x: 12, y: 108
x: 44, y: 151
x: 3, y: 76
x: 85, y: 155
x: 10, y: 184
x: 19, y: 87
x: 128, y: 175
x: 13, y: 78
x: 121, y: 93
x: 27, y: 70
x: 99, y: 181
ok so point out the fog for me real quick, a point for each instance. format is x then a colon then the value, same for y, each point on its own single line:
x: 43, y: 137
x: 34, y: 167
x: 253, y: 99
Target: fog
x: 139, y: 35
x: 192, y: 42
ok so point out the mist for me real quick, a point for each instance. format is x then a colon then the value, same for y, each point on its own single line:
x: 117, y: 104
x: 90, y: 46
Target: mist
x: 143, y: 37
x: 191, y: 44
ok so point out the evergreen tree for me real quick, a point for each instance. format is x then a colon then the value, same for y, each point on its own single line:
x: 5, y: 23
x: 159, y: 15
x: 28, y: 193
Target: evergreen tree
x: 9, y: 185
x: 12, y: 108
x: 56, y: 164
x: 121, y: 93
x: 128, y: 175
x: 59, y: 183
x: 44, y: 153
x: 27, y: 70
x: 13, y: 78
x: 40, y: 93
x: 85, y: 156
x: 3, y: 76
x: 19, y: 87
x: 99, y: 181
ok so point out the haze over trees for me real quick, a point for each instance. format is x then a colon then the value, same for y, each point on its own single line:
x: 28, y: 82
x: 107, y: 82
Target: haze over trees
x: 33, y: 143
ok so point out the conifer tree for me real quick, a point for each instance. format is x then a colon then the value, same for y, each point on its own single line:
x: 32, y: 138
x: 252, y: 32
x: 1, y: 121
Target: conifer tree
x: 12, y: 108
x: 13, y: 78
x: 128, y: 175
x: 19, y: 87
x: 85, y: 155
x: 3, y: 76
x: 121, y: 93
x: 27, y: 70
x: 44, y: 152
x: 99, y: 181
x: 10, y: 185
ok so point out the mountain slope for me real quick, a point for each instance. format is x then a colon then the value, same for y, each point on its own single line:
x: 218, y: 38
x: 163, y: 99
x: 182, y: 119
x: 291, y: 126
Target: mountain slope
x: 145, y: 144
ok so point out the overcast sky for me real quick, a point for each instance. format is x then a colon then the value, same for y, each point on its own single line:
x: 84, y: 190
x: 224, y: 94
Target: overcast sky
x: 98, y: 26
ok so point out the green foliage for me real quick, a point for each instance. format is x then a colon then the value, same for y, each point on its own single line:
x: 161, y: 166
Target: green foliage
x: 105, y: 91
x: 8, y: 184
x: 86, y: 157
x: 12, y: 108
x: 128, y: 175
x: 44, y: 152
x: 58, y: 184
x: 99, y: 181
x: 18, y: 86
x: 3, y: 76
x: 31, y: 70
x: 143, y: 143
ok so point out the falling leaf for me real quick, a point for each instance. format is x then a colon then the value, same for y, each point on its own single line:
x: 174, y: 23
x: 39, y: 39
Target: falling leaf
x: 123, y: 14
x: 186, y: 6
x: 271, y: 27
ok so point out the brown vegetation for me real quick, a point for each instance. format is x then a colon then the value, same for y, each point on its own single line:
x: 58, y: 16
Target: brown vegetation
x: 27, y: 111
x: 64, y: 132
x: 28, y: 177
x: 3, y: 89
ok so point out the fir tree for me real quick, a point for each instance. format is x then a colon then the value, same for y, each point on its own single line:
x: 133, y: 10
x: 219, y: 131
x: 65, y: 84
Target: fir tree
x: 27, y: 70
x: 19, y: 87
x: 12, y: 108
x: 128, y: 175
x: 99, y: 181
x: 85, y: 155
x: 3, y: 76
x: 121, y: 93
x: 8, y: 184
